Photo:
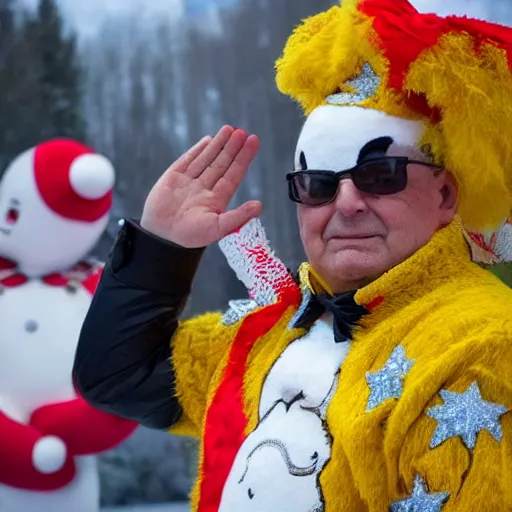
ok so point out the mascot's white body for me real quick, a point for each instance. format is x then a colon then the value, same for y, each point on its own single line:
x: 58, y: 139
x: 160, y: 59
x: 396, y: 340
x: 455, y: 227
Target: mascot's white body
x: 54, y: 205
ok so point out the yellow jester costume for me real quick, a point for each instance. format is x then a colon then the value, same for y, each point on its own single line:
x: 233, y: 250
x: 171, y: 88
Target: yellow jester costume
x: 413, y: 414
x: 402, y: 402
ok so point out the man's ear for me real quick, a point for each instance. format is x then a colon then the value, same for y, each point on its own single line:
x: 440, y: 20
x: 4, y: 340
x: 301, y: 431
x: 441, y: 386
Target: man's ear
x: 449, y: 195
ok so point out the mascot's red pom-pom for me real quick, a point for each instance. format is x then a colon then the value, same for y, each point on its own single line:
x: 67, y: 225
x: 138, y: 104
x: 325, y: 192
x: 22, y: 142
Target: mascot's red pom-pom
x: 55, y: 200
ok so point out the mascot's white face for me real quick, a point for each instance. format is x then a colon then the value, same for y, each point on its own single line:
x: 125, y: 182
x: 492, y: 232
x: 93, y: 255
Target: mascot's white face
x: 32, y: 234
x: 359, y: 236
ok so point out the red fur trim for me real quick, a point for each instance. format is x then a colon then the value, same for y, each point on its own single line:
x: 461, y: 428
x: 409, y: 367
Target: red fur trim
x: 404, y: 34
x: 226, y: 421
x: 52, y: 164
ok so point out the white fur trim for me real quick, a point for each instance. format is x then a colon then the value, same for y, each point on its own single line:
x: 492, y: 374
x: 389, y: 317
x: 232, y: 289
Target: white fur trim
x: 333, y: 136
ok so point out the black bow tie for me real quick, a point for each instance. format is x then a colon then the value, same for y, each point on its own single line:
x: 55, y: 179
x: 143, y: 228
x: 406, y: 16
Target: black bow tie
x: 344, y: 309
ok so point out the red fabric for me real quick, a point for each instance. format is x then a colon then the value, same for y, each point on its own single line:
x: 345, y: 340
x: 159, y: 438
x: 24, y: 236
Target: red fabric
x: 226, y: 420
x: 14, y: 280
x: 84, y: 430
x: 6, y: 264
x: 52, y: 164
x: 91, y: 283
x: 16, y: 468
x: 374, y: 304
x: 55, y: 280
x: 404, y: 34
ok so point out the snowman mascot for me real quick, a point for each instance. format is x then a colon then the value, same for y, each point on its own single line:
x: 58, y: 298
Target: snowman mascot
x: 54, y: 204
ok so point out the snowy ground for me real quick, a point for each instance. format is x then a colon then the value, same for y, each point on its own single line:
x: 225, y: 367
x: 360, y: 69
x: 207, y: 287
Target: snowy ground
x: 171, y: 507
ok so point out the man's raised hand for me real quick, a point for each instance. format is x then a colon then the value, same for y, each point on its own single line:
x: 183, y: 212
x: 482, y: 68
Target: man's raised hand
x: 188, y: 204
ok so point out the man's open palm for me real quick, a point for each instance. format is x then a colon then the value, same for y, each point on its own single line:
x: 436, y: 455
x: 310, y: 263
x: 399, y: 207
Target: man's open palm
x: 188, y: 203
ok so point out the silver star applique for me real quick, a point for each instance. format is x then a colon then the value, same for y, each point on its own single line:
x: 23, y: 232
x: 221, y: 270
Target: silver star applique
x: 238, y: 309
x: 465, y: 415
x: 420, y: 500
x: 388, y: 382
x: 365, y: 85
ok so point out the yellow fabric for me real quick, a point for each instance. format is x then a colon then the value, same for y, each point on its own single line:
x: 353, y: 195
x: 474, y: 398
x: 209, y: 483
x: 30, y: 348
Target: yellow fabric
x: 312, y: 280
x: 474, y: 93
x: 198, y: 346
x: 200, y: 349
x: 327, y: 50
x: 470, y: 86
x: 453, y: 320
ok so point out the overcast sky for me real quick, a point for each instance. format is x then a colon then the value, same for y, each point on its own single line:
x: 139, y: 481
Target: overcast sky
x: 87, y: 15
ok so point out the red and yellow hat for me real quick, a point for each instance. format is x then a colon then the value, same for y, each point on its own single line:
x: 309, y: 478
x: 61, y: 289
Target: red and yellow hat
x: 453, y: 74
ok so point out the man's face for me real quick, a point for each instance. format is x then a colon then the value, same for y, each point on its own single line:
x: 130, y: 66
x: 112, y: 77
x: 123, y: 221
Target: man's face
x: 360, y: 236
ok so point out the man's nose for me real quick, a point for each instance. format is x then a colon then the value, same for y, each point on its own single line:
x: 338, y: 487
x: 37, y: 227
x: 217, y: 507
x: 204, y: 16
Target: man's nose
x: 350, y: 201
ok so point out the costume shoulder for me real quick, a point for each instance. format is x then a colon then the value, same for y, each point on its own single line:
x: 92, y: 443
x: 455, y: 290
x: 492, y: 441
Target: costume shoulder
x: 451, y: 434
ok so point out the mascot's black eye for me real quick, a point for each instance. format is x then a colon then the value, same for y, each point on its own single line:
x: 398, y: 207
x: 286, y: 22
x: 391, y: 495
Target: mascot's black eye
x: 303, y: 161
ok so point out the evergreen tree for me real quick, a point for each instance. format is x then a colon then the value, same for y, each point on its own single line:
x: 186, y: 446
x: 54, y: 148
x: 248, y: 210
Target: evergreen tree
x: 16, y: 87
x: 40, y: 82
x: 59, y: 105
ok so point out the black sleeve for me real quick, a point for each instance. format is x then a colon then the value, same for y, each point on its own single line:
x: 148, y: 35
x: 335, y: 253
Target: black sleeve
x: 122, y: 364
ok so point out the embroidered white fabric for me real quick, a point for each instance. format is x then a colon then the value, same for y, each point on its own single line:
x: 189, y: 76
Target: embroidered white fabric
x: 249, y: 254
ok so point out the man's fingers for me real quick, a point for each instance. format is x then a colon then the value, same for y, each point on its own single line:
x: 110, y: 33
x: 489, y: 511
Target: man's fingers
x: 210, y: 153
x: 181, y: 165
x: 225, y: 158
x: 235, y: 219
x: 230, y: 181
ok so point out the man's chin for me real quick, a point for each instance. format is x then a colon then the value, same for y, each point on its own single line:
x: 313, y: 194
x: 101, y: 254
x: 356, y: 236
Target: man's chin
x: 352, y: 269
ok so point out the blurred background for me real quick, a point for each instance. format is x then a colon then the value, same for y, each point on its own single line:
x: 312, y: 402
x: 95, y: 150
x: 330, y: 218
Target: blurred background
x: 141, y: 81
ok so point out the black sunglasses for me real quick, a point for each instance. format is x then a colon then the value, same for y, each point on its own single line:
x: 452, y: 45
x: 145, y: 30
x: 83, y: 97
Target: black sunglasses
x: 379, y: 176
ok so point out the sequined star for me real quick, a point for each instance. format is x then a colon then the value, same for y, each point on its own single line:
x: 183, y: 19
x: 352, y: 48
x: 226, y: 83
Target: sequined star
x: 465, y: 415
x: 387, y: 383
x: 238, y: 309
x: 363, y: 87
x: 420, y: 500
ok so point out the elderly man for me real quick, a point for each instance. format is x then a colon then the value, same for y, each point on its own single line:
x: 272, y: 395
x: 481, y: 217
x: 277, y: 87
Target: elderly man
x: 381, y: 377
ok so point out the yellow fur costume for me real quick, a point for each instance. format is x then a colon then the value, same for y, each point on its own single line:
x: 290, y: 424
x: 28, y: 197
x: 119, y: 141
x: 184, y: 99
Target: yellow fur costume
x: 413, y: 413
x: 377, y: 455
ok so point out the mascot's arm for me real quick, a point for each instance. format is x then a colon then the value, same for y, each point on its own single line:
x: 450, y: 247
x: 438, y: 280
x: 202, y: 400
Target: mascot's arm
x: 123, y: 361
x: 20, y: 448
x: 458, y: 449
x: 84, y: 429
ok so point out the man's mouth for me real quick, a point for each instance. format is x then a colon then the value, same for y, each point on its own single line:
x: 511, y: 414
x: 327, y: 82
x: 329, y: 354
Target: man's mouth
x: 355, y: 236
